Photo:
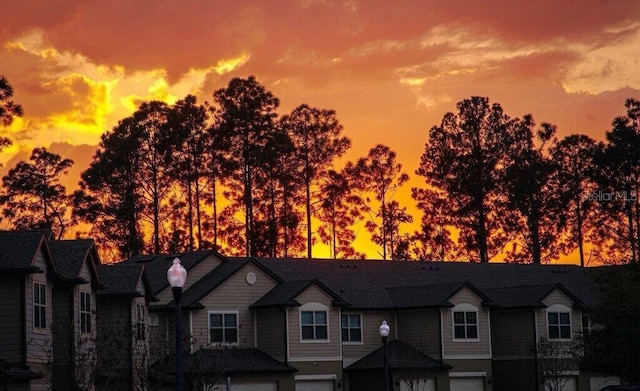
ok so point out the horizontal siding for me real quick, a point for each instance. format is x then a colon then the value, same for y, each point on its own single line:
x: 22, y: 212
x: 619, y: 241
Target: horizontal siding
x: 461, y: 348
x: 371, y: 340
x: 297, y: 349
x: 271, y: 330
x: 114, y: 335
x: 11, y: 332
x: 512, y: 334
x: 558, y: 297
x: 39, y: 342
x: 420, y: 329
x: 235, y: 294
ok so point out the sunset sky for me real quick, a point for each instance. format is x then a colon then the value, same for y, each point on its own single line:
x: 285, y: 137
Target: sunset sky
x: 390, y: 69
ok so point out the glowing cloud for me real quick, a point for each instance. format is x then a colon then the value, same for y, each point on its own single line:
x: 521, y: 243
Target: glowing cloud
x: 227, y: 65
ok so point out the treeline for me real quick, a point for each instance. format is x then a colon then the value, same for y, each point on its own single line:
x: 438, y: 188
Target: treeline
x: 236, y: 175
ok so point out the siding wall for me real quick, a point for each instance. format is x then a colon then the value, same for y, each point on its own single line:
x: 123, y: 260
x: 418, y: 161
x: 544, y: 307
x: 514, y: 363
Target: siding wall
x: 271, y: 329
x: 512, y: 334
x: 11, y: 332
x: 39, y: 341
x: 371, y: 340
x: 421, y: 329
x: 460, y: 349
x: 299, y: 350
x: 114, y: 335
x: 558, y: 297
x: 235, y: 294
x: 88, y: 339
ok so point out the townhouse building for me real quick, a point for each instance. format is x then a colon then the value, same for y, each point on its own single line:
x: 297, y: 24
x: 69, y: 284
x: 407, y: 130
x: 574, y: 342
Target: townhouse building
x: 290, y: 324
x: 464, y: 326
x: 47, y: 338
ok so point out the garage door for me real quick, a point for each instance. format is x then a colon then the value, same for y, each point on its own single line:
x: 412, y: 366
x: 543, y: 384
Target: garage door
x: 570, y: 384
x: 314, y: 385
x: 262, y: 386
x: 467, y: 384
x: 599, y: 382
x: 418, y: 385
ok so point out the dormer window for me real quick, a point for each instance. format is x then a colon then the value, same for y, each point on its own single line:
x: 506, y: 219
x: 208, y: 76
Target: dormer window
x: 465, y: 323
x: 559, y: 322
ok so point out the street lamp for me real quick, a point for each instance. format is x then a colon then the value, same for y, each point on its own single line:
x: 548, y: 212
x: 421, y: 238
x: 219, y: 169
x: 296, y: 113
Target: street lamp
x: 384, y: 333
x: 177, y: 275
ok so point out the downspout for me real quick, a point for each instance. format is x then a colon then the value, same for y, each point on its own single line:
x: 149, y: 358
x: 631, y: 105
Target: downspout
x: 535, y: 349
x: 23, y: 321
x: 440, y: 344
x: 286, y: 335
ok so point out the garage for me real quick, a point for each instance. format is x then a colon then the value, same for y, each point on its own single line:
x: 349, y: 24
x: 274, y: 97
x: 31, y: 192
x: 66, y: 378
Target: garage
x: 248, y: 386
x: 569, y: 384
x: 418, y: 384
x: 466, y: 383
x: 597, y: 383
x: 314, y: 385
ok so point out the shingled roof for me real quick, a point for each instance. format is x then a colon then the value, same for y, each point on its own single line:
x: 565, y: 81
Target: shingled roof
x: 18, y: 250
x: 69, y: 256
x: 285, y: 293
x: 399, y: 356
x: 121, y: 279
x: 380, y: 284
x: 234, y: 361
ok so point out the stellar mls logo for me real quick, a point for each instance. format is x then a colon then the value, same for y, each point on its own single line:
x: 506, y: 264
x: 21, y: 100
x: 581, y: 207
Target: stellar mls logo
x: 610, y: 196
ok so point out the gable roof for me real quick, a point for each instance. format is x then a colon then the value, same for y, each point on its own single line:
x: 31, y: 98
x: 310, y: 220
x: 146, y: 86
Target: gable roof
x: 431, y: 296
x: 70, y: 255
x: 212, y: 280
x: 18, y: 250
x: 393, y: 284
x: 399, y: 356
x: 527, y: 296
x: 285, y: 294
x: 234, y: 361
x: 156, y: 266
x: 121, y: 279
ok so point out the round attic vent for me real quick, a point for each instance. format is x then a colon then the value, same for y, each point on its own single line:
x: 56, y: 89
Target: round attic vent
x: 251, y: 278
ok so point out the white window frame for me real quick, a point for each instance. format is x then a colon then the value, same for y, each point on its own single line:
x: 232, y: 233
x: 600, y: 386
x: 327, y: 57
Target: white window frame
x: 559, y: 309
x: 465, y: 308
x: 347, y: 314
x: 314, y: 307
x: 223, y: 313
x: 40, y: 305
x: 141, y: 326
x: 85, y: 312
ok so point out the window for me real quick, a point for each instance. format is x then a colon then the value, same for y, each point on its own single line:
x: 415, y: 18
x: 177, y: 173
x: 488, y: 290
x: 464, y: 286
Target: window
x: 140, y: 322
x: 465, y: 322
x: 351, y: 328
x: 85, y: 312
x: 39, y: 305
x: 313, y: 325
x: 223, y: 327
x: 559, y: 325
x: 465, y: 325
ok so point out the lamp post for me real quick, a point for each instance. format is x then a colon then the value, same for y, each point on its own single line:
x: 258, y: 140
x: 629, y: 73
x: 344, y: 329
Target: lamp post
x: 384, y: 333
x: 177, y: 275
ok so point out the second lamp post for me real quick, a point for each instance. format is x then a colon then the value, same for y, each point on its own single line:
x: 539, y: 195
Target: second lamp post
x: 177, y: 276
x: 384, y: 333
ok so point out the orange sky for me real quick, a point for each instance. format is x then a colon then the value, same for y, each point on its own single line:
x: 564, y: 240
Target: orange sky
x: 390, y: 69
